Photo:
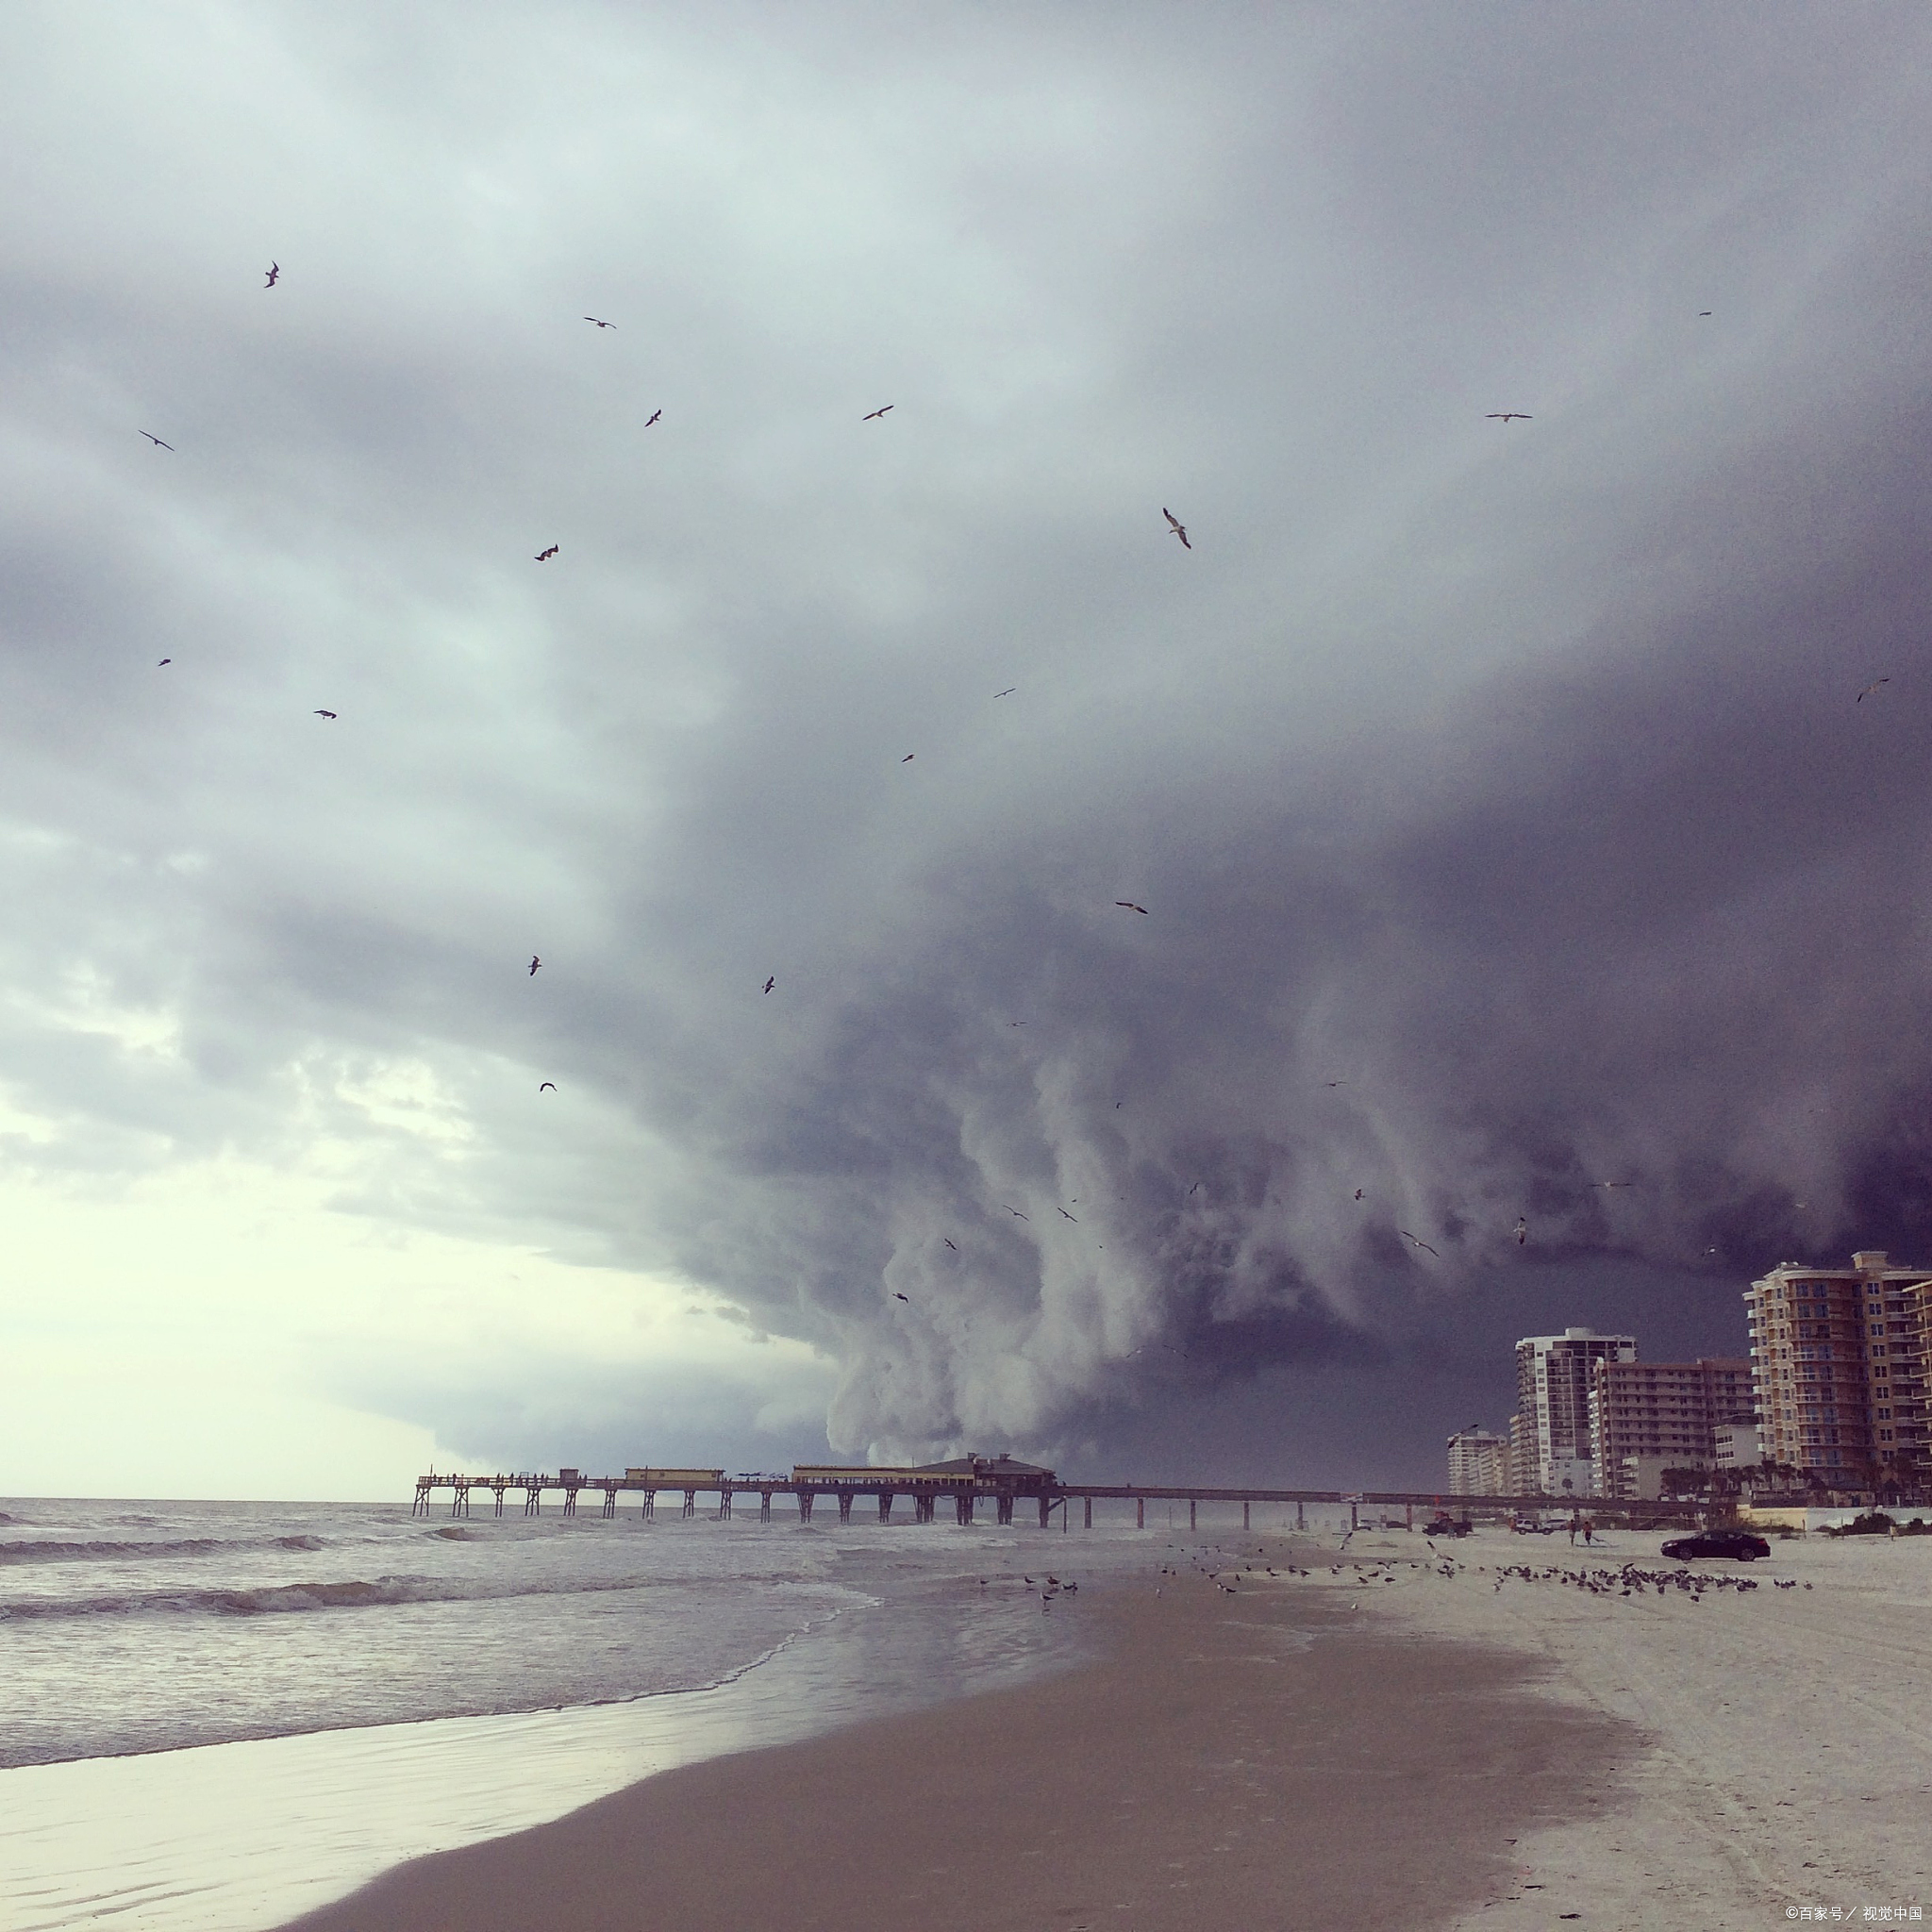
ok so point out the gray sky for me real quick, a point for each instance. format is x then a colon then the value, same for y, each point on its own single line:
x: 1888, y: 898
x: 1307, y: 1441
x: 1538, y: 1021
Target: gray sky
x: 1510, y: 775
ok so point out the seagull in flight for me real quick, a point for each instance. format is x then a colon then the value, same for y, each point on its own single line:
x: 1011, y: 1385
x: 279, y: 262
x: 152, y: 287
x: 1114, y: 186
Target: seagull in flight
x: 164, y: 660
x: 907, y: 759
x: 1357, y: 1194
x: 1335, y: 1083
x: 1614, y: 1184
x: 1522, y: 1230
x: 600, y: 324
x: 1869, y: 690
x: 551, y: 1085
x: 1702, y: 313
x: 324, y: 714
x: 653, y: 417
x: 156, y: 440
x: 535, y: 963
x: 949, y: 1243
x: 1127, y: 904
x: 771, y: 982
x: 274, y: 275
x: 1007, y: 692
x: 898, y: 1297
x: 1074, y: 1218
x: 1177, y: 527
x: 1418, y: 1240
x: 1015, y: 1211
x: 545, y: 555
x: 875, y: 415
x: 1507, y: 416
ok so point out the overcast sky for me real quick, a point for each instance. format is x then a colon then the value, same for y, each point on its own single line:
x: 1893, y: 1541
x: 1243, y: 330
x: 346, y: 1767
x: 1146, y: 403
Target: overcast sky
x: 1500, y: 795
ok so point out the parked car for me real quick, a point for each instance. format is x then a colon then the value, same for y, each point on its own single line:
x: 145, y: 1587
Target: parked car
x: 1740, y: 1543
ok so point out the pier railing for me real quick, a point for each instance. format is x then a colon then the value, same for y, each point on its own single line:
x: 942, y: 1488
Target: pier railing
x: 1366, y: 1507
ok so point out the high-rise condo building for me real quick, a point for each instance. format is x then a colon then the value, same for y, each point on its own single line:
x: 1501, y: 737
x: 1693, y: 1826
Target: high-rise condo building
x: 1648, y: 1417
x: 1840, y: 1356
x: 1478, y: 1463
x: 1551, y: 1433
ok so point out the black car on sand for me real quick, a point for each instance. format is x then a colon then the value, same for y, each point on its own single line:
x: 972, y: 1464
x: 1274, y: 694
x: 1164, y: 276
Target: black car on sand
x: 1740, y: 1543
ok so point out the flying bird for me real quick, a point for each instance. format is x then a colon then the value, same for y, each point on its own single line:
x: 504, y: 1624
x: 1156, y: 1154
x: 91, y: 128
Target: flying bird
x: 551, y: 1085
x: 1074, y: 1218
x: 156, y: 440
x: 1614, y: 1184
x: 652, y: 417
x: 535, y: 963
x: 875, y: 415
x: 324, y: 714
x: 1507, y: 416
x: 1179, y: 529
x: 1015, y: 1211
x: 907, y: 759
x: 1197, y: 1185
x: 1701, y: 312
x: 600, y: 324
x: 1417, y: 1239
x: 1335, y: 1083
x: 164, y: 660
x: 1522, y: 1230
x: 545, y: 555
x: 898, y: 1297
x: 274, y: 275
x: 1007, y: 692
x: 1869, y: 690
x: 1357, y: 1194
x: 949, y: 1243
x: 771, y: 982
x: 1128, y: 905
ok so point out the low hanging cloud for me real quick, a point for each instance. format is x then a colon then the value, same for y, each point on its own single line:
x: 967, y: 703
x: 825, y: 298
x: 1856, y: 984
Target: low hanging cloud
x: 1514, y: 844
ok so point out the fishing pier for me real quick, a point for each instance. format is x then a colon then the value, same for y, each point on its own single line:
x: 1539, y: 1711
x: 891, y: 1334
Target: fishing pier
x: 965, y: 1485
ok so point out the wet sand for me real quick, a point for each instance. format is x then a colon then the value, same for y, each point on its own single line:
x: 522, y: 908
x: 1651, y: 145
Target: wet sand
x: 1263, y: 1757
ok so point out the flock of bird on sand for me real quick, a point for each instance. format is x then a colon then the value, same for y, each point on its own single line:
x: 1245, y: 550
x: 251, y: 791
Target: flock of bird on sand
x: 1177, y: 530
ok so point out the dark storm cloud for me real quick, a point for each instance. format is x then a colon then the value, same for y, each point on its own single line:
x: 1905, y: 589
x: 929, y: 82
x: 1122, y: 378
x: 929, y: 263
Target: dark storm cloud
x: 1509, y: 775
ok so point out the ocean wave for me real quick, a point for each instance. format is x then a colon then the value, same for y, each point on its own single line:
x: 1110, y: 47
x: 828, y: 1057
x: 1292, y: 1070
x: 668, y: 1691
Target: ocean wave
x: 353, y: 1594
x: 52, y: 1552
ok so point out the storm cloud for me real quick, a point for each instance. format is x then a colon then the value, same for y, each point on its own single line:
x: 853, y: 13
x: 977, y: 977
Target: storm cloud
x: 1499, y: 794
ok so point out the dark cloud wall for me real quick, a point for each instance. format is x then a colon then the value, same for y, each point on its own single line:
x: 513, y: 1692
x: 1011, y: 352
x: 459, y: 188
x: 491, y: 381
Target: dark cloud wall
x: 1509, y: 775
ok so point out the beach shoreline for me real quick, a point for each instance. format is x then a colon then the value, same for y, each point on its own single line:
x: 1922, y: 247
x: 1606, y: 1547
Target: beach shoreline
x: 1495, y: 1733
x: 1244, y: 1754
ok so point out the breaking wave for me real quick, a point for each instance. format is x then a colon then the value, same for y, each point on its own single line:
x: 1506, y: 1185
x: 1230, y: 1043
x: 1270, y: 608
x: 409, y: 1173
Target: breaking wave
x: 353, y: 1595
x: 50, y: 1552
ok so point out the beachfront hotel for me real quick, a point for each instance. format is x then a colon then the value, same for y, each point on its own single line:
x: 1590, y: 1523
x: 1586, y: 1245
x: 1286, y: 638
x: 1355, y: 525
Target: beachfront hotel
x: 1478, y: 1463
x: 1839, y: 1358
x: 1648, y: 1417
x: 1550, y: 1435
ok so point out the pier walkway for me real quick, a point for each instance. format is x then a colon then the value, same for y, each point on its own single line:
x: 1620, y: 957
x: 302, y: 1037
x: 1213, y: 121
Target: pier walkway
x: 986, y: 1481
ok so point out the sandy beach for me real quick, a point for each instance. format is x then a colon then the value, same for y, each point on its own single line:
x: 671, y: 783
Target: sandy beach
x: 1413, y: 1738
x: 1230, y: 1757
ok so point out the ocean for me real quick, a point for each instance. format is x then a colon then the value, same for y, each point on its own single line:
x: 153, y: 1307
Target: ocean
x: 214, y: 1716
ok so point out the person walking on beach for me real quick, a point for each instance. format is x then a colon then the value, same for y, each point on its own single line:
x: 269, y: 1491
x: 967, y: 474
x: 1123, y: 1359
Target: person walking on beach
x: 1586, y: 1532
x: 1575, y: 1523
